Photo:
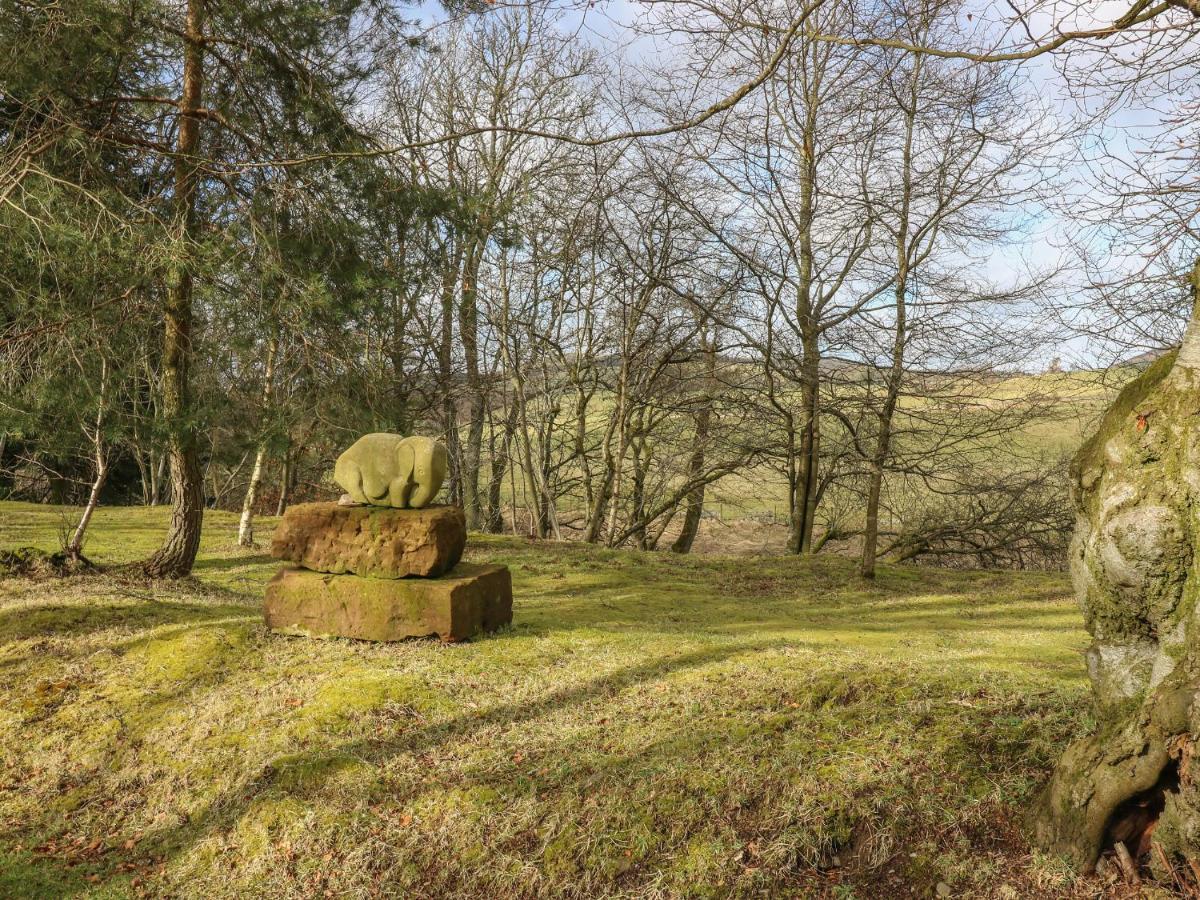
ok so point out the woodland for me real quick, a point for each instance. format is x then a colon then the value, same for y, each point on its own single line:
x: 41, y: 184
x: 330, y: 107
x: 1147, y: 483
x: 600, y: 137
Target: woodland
x: 864, y: 309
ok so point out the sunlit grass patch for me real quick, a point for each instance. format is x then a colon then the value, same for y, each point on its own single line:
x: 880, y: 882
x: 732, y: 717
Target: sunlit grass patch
x: 650, y: 725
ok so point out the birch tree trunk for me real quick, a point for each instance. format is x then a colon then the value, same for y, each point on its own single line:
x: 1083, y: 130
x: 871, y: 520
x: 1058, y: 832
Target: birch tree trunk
x: 246, y: 524
x: 100, y: 459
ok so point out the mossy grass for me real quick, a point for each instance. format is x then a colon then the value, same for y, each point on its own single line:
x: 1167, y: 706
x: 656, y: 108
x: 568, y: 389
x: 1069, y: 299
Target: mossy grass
x: 650, y: 726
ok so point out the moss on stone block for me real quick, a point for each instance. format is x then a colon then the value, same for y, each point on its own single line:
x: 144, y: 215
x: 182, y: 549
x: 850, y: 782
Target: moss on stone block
x: 455, y: 606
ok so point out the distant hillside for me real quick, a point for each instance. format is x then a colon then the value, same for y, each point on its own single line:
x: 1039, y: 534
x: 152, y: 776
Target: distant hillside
x: 1142, y: 360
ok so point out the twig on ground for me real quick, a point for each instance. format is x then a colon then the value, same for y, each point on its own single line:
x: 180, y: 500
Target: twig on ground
x: 1128, y: 866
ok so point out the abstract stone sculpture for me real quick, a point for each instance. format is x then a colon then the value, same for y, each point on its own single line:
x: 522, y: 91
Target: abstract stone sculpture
x: 390, y: 470
x: 382, y: 568
x: 1136, y: 491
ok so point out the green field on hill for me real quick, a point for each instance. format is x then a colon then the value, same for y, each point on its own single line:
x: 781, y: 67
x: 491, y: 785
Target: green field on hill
x: 650, y: 725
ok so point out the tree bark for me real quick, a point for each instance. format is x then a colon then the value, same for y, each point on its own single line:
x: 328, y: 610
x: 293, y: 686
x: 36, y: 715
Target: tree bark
x: 1133, y: 562
x: 895, y: 375
x: 246, y: 524
x: 75, y: 545
x: 285, y: 477
x: 454, y: 488
x: 468, y: 328
x: 177, y: 554
x: 804, y: 493
x: 695, y: 498
x: 501, y: 461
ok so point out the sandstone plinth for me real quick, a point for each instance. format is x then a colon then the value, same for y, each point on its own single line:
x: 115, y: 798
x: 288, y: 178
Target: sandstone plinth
x: 454, y: 606
x: 375, y: 541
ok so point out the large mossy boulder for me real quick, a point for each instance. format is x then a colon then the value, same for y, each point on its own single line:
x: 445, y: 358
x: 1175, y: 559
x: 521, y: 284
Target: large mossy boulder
x: 1136, y: 493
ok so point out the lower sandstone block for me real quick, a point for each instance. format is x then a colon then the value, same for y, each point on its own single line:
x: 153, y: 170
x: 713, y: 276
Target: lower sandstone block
x: 470, y: 599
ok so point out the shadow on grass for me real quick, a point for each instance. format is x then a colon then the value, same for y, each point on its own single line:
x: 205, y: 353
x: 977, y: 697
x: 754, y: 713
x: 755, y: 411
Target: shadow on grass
x: 61, y: 620
x: 676, y: 747
x: 779, y: 605
x: 224, y: 563
x: 613, y: 601
x: 227, y: 808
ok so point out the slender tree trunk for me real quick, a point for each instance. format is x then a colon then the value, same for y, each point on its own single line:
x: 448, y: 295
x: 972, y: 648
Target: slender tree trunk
x: 895, y: 376
x: 546, y: 503
x: 528, y: 462
x: 581, y: 405
x: 285, y: 478
x: 595, y: 521
x: 158, y: 475
x: 803, y: 499
x: 468, y: 327
x: 804, y: 486
x: 617, y: 460
x: 874, y: 489
x: 143, y: 470
x: 501, y: 462
x: 178, y: 552
x: 638, y: 463
x: 75, y: 545
x: 883, y: 441
x: 446, y: 371
x: 246, y: 525
x: 695, y: 498
x: 403, y: 313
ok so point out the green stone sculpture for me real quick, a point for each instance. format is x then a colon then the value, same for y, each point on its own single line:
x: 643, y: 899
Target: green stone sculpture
x: 390, y: 470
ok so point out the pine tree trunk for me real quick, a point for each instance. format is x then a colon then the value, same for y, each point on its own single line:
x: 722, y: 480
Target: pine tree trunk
x: 177, y: 554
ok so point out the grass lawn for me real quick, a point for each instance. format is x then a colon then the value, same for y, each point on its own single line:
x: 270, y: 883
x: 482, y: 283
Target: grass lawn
x: 650, y: 726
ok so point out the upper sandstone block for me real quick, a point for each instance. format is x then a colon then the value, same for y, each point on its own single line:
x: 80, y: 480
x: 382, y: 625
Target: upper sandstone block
x: 370, y: 540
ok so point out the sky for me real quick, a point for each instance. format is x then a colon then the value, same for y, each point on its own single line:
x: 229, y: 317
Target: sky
x: 610, y: 27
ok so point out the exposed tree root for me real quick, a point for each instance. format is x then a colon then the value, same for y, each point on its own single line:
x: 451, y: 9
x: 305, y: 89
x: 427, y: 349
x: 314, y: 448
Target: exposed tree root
x: 1126, y: 784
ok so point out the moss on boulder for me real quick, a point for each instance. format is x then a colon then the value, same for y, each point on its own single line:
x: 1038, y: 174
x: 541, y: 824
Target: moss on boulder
x: 1136, y: 493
